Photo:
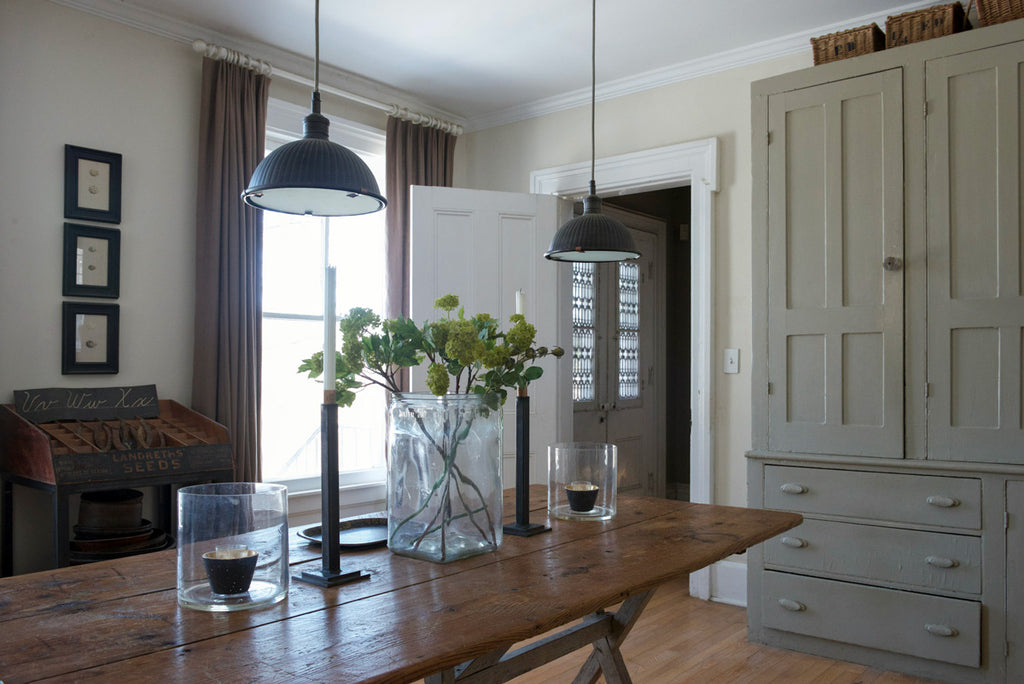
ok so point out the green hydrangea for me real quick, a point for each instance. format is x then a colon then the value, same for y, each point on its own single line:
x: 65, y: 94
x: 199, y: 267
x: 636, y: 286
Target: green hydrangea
x: 495, y: 357
x: 437, y: 379
x: 521, y: 334
x: 447, y: 303
x: 464, y: 344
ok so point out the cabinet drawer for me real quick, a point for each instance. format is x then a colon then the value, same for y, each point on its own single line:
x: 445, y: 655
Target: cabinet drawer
x: 929, y: 560
x: 914, y: 499
x: 932, y: 627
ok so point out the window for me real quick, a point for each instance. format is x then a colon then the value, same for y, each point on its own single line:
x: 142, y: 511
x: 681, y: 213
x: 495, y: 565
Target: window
x: 293, y: 261
x: 592, y: 358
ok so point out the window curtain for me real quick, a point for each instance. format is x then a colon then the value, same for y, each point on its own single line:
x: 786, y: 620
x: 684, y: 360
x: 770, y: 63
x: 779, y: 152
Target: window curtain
x: 415, y: 155
x: 229, y: 253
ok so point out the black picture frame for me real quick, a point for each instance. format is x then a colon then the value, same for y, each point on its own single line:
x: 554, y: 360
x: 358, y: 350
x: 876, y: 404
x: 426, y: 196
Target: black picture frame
x: 92, y: 261
x: 99, y: 200
x: 89, y: 338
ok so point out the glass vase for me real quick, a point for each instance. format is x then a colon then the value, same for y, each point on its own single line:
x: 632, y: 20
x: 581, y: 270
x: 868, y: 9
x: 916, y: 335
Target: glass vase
x: 232, y: 545
x: 444, y: 476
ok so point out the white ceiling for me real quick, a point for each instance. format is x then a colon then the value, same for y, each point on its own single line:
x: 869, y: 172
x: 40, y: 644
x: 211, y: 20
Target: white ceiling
x: 481, y: 62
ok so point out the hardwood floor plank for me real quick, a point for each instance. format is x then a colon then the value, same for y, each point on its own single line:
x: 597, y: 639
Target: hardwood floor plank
x: 683, y: 640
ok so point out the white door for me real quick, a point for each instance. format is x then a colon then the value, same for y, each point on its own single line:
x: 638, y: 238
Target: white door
x: 484, y: 246
x: 616, y: 311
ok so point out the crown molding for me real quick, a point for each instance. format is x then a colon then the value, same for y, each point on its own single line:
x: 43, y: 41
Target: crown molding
x: 794, y: 43
x: 286, y: 64
x: 291, y: 66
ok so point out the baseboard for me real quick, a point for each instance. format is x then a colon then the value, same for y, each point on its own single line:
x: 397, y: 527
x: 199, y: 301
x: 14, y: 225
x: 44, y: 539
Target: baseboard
x: 729, y: 583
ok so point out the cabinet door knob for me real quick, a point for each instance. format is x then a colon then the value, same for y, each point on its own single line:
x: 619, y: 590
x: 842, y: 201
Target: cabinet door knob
x: 794, y: 542
x: 941, y: 630
x: 790, y: 604
x: 940, y: 562
x: 892, y: 263
x: 792, y: 488
x: 942, y: 501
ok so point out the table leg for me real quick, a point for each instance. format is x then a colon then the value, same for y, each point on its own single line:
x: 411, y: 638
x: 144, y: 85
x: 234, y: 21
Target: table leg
x: 603, y: 631
x: 606, y: 658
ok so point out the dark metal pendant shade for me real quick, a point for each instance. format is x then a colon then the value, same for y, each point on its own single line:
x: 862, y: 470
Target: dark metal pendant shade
x: 592, y: 236
x: 314, y: 176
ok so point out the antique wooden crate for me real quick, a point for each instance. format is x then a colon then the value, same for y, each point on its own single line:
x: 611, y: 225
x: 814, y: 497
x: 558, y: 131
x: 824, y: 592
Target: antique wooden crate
x: 65, y: 453
x: 69, y: 441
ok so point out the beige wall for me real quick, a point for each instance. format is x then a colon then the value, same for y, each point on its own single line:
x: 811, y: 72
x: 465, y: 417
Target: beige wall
x: 719, y: 105
x: 70, y: 77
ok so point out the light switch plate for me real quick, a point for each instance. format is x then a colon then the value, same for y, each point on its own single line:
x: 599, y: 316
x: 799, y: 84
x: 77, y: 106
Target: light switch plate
x: 731, y: 362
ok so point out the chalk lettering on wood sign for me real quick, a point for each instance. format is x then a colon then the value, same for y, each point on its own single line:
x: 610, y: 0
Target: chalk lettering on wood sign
x: 92, y: 403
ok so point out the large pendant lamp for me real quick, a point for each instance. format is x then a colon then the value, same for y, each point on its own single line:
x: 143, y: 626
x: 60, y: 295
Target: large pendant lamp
x: 313, y: 175
x: 592, y: 236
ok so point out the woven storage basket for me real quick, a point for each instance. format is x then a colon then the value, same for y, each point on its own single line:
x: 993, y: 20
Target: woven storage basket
x: 997, y: 11
x: 849, y: 43
x: 923, y: 24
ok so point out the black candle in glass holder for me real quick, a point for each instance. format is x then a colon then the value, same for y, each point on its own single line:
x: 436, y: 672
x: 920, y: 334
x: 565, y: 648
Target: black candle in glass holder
x: 582, y: 495
x: 582, y: 480
x: 230, y: 570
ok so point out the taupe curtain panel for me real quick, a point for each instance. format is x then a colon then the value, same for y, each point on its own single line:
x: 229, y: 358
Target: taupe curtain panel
x: 416, y: 155
x: 229, y: 255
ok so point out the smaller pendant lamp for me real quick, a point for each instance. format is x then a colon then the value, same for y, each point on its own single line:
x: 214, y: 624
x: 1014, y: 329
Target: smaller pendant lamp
x: 313, y: 175
x: 592, y: 236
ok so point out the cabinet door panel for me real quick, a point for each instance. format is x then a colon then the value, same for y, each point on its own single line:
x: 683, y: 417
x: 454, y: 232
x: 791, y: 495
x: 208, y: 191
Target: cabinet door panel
x: 975, y: 292
x: 835, y: 212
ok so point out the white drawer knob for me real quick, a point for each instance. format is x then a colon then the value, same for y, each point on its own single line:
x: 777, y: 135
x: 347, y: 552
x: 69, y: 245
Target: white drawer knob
x: 940, y: 562
x: 941, y: 630
x: 794, y: 542
x: 792, y: 488
x: 942, y: 501
x: 790, y: 604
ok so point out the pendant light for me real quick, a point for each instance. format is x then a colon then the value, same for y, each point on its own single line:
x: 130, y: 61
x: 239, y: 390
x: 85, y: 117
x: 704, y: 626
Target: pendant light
x: 313, y: 175
x: 592, y: 236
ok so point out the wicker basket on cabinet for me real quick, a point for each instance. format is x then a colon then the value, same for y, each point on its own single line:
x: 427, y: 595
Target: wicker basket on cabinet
x: 923, y: 24
x: 997, y: 11
x: 850, y: 43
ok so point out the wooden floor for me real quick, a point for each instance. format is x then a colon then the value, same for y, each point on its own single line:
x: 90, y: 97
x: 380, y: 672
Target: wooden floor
x: 683, y: 640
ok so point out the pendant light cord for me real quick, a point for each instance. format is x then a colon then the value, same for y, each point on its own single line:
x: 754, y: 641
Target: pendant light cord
x: 593, y: 91
x: 316, y: 42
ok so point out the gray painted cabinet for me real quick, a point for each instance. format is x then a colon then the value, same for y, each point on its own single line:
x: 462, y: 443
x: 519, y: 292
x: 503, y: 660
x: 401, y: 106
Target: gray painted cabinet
x: 888, y: 400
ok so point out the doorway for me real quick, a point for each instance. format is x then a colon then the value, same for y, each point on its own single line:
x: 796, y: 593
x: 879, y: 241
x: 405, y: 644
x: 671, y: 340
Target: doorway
x: 695, y: 164
x: 671, y: 209
x: 618, y: 356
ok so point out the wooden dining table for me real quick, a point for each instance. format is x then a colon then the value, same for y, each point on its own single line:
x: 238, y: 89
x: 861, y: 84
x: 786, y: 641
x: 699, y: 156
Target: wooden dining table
x: 464, y: 621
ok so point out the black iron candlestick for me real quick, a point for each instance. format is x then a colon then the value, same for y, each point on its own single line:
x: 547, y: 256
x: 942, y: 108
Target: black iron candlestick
x: 330, y: 573
x: 522, y: 526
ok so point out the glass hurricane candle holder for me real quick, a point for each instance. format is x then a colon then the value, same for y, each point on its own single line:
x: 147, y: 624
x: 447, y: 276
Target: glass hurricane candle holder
x: 582, y: 479
x: 232, y: 545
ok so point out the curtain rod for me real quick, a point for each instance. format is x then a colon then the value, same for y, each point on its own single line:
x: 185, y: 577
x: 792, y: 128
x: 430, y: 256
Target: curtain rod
x: 263, y: 67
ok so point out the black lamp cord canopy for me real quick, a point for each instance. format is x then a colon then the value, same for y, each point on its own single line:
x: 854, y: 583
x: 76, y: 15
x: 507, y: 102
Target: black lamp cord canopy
x: 593, y: 94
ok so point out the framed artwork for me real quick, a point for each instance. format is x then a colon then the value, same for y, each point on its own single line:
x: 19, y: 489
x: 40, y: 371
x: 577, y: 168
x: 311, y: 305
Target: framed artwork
x: 89, y: 338
x: 92, y: 185
x: 92, y: 261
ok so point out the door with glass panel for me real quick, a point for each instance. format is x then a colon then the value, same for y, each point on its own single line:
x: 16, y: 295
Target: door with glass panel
x: 613, y: 371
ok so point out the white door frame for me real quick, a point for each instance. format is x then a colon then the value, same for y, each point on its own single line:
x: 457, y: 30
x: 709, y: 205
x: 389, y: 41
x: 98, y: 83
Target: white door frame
x: 694, y: 164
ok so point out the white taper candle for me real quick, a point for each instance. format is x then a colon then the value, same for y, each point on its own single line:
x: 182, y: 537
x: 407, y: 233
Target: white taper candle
x: 330, y: 326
